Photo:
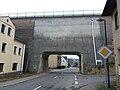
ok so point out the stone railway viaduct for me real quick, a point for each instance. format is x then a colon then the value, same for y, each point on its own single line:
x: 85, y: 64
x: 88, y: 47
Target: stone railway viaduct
x: 44, y: 36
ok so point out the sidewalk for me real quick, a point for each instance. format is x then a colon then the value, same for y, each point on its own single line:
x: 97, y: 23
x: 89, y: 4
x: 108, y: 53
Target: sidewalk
x: 6, y: 83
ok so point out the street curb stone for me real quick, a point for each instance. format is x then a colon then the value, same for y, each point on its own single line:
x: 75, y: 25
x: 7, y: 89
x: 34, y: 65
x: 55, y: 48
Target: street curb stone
x: 12, y: 82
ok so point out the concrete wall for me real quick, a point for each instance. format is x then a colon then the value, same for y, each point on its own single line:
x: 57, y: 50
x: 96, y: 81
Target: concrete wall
x: 24, y: 30
x: 65, y: 34
x: 62, y: 34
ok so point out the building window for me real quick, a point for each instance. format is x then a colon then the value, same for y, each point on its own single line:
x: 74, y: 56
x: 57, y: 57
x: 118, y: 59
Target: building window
x: 9, y: 31
x: 7, y: 20
x: 116, y: 21
x: 3, y: 28
x: 19, y: 52
x: 1, y: 67
x: 15, y: 49
x: 4, y: 47
x: 14, y: 66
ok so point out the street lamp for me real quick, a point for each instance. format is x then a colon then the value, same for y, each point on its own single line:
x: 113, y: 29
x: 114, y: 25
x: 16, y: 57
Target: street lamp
x: 106, y: 62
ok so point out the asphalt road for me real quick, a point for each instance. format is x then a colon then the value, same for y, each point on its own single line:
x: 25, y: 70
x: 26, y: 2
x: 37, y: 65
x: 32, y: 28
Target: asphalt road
x: 65, y: 79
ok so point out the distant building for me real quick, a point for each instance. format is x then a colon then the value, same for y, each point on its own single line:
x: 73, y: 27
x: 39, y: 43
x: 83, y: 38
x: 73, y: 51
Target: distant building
x: 112, y: 8
x: 64, y: 62
x: 52, y: 61
x: 11, y: 49
x: 57, y: 61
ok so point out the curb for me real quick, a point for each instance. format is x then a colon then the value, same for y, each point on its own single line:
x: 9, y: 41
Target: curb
x: 16, y: 81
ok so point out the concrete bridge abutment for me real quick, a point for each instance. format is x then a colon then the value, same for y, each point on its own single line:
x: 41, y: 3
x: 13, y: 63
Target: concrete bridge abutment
x: 43, y: 61
x: 60, y: 34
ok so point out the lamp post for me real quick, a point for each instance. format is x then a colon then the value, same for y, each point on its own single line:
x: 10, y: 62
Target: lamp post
x: 106, y: 62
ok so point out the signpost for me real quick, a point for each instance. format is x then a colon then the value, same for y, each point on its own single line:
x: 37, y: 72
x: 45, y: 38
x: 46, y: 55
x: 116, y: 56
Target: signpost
x: 105, y: 52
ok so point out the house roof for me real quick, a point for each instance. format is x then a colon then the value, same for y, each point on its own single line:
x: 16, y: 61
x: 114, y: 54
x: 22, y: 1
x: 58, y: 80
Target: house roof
x: 109, y: 7
x: 7, y: 20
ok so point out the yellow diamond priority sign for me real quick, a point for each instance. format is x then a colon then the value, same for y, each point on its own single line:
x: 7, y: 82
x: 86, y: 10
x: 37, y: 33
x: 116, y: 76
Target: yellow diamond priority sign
x: 105, y: 52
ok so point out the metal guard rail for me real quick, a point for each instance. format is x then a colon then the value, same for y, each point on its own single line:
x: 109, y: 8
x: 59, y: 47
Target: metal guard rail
x: 54, y: 13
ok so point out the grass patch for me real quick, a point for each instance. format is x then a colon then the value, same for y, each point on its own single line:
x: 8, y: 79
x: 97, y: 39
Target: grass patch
x: 102, y: 87
x: 13, y: 77
x: 97, y: 71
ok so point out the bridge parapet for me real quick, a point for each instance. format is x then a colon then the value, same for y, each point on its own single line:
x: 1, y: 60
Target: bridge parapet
x: 54, y: 14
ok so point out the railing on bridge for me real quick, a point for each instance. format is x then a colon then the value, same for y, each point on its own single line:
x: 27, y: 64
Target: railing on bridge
x: 54, y: 13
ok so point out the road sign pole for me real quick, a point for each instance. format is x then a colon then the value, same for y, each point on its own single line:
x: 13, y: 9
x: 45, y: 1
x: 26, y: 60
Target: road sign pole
x: 107, y: 63
x: 106, y: 59
x: 106, y: 79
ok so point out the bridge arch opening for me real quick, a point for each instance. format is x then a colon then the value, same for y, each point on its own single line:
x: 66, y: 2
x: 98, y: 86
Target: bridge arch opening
x: 56, y: 61
x: 58, y: 55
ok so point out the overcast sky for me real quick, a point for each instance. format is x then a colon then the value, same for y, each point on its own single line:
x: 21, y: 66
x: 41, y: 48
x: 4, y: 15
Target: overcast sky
x: 18, y: 6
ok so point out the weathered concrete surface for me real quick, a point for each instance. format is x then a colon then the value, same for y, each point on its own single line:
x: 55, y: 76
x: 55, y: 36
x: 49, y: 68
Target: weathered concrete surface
x: 24, y: 30
x: 65, y: 34
x: 62, y: 34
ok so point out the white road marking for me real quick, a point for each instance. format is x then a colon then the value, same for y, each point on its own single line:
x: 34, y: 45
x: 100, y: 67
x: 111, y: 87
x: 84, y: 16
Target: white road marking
x: 37, y: 87
x: 55, y: 76
x: 76, y: 82
x: 74, y: 75
x: 75, y: 79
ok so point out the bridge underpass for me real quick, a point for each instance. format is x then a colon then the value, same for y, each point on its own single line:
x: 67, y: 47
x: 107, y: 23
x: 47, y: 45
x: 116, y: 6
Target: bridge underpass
x: 43, y: 65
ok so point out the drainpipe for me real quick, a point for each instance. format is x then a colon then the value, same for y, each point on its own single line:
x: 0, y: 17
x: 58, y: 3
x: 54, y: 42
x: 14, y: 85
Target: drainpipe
x: 22, y: 60
x: 93, y: 38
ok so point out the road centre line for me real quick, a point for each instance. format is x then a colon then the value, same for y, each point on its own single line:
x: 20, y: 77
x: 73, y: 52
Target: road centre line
x: 37, y: 87
x: 55, y: 76
x: 75, y: 77
x: 76, y: 82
